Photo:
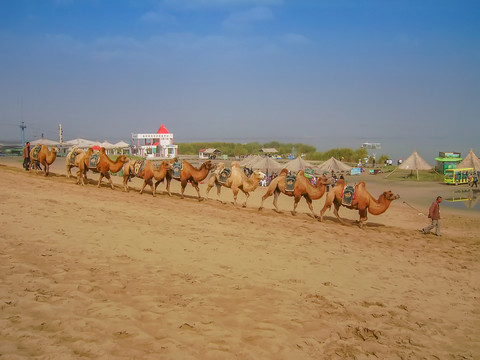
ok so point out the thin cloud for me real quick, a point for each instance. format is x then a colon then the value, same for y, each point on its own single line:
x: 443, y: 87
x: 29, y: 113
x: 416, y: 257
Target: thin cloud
x: 156, y: 17
x: 200, y: 4
x: 296, y: 39
x: 244, y: 20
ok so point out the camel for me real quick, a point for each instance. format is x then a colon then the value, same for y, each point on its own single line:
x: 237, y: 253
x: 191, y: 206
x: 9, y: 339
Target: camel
x: 41, y: 154
x: 145, y: 170
x: 237, y: 181
x: 73, y: 160
x: 104, y: 166
x: 303, y: 187
x: 362, y: 201
x: 190, y: 173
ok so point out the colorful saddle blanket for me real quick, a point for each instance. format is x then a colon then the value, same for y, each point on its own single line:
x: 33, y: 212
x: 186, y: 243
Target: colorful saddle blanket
x: 137, y: 168
x: 224, y: 175
x: 290, y: 182
x: 348, y: 195
x: 71, y: 156
x: 93, y: 160
x: 35, y: 152
x: 177, y: 167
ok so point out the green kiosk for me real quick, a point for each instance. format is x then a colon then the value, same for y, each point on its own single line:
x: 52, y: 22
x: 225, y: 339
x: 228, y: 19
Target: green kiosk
x: 447, y: 161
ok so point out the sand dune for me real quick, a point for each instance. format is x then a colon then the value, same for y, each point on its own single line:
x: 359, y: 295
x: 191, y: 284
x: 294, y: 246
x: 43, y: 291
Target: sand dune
x: 91, y: 272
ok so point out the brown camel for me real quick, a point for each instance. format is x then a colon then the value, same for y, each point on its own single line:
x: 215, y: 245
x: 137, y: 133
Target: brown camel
x: 362, y: 201
x: 237, y: 181
x: 104, y: 166
x: 73, y: 160
x: 190, y: 173
x: 40, y: 154
x: 303, y: 187
x: 145, y: 170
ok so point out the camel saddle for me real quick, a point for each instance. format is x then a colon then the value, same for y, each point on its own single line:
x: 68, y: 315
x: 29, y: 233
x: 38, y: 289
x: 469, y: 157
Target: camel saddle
x: 138, y: 167
x: 224, y: 175
x: 177, y: 167
x: 71, y: 157
x: 290, y: 182
x: 36, y: 149
x: 349, y: 194
x: 93, y: 160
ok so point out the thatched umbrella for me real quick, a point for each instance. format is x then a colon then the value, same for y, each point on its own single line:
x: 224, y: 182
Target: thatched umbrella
x: 413, y: 162
x: 298, y: 164
x: 333, y: 164
x: 470, y: 161
x: 266, y: 164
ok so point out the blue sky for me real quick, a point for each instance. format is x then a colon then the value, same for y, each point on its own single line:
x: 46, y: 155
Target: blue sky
x: 328, y: 73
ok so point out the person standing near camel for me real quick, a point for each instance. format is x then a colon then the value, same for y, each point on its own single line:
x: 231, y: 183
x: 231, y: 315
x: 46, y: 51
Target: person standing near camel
x: 26, y: 156
x: 434, y: 214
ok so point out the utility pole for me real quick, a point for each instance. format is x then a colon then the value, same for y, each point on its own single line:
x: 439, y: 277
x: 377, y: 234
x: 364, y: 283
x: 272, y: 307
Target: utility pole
x: 60, y: 133
x: 22, y: 129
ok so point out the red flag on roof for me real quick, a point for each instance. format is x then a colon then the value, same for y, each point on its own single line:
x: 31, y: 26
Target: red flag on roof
x: 162, y: 130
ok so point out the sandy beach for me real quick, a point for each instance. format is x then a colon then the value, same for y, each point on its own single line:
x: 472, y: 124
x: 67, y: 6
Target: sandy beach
x: 96, y: 273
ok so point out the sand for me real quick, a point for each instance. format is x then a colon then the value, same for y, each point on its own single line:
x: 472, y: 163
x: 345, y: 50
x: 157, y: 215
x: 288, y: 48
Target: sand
x: 94, y: 273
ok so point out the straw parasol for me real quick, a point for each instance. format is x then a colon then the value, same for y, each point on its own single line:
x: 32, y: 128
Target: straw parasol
x: 470, y: 161
x: 298, y: 164
x: 413, y: 162
x: 266, y: 164
x: 333, y: 164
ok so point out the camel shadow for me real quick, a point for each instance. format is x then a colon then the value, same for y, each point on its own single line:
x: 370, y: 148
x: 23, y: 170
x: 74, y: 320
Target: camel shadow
x: 349, y: 222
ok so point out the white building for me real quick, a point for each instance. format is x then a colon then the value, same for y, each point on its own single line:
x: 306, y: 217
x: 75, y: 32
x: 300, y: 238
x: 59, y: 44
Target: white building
x: 158, y: 145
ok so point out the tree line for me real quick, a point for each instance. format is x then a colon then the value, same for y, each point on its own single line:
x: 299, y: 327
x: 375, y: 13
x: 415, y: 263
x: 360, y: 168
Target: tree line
x: 284, y: 149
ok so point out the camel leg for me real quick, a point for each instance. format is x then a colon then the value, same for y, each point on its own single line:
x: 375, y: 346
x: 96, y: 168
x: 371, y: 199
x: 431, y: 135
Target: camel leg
x: 47, y: 168
x: 267, y: 194
x: 150, y: 182
x: 110, y: 180
x: 296, y: 200
x: 195, y: 185
x: 235, y: 195
x: 335, y: 211
x: 275, y: 200
x: 100, y: 180
x: 363, y: 217
x: 168, y: 186
x: 247, y: 195
x: 183, y: 186
x: 310, y: 206
x: 69, y: 172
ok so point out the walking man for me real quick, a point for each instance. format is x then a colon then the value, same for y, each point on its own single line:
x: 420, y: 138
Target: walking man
x: 26, y: 156
x: 434, y: 215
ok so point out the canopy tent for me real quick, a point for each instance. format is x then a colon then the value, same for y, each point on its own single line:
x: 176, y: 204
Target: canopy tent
x: 44, y: 142
x: 334, y: 165
x: 413, y: 162
x: 266, y: 164
x: 470, y: 161
x: 81, y: 143
x: 298, y: 164
x: 107, y: 145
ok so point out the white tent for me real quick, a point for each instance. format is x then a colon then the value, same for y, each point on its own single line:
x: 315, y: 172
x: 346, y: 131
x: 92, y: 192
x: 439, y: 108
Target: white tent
x: 81, y: 143
x: 44, y: 142
x: 107, y: 145
x: 121, y: 145
x: 470, y: 161
x: 249, y: 160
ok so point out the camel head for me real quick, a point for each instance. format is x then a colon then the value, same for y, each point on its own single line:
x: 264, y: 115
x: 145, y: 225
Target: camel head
x: 258, y: 174
x: 209, y: 165
x: 388, y: 195
x: 122, y: 158
x: 55, y: 149
x: 166, y: 164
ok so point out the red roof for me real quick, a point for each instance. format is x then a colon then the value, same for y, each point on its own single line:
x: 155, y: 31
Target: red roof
x: 162, y: 130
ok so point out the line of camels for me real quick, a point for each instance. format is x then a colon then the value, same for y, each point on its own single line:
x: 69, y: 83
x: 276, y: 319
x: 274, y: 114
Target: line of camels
x: 237, y: 181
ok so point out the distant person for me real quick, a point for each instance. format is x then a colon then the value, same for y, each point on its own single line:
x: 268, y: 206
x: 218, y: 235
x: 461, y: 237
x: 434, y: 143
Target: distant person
x: 475, y: 180
x: 26, y: 156
x: 434, y: 215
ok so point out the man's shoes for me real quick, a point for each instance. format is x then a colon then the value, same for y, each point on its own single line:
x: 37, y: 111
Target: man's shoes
x: 438, y: 235
x: 423, y: 231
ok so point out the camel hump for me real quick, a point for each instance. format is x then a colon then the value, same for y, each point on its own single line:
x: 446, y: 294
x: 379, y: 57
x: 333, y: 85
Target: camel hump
x: 235, y: 164
x: 341, y: 182
x: 300, y: 172
x: 284, y: 171
x: 361, y: 184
